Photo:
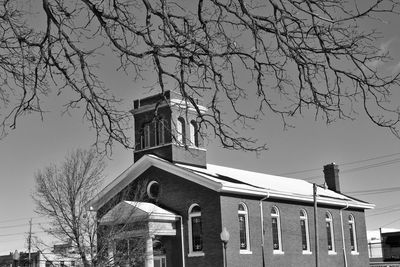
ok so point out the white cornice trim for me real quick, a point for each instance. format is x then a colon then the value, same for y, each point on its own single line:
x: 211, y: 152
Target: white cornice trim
x: 139, y: 167
x: 288, y: 196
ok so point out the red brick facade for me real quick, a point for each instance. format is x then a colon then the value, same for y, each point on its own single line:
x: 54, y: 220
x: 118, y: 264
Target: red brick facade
x: 178, y: 194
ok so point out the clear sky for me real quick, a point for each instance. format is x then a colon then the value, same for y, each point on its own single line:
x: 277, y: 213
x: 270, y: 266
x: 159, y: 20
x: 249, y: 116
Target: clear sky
x: 312, y: 144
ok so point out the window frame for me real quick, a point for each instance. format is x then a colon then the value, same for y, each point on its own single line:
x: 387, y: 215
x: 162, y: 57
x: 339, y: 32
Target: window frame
x: 276, y: 215
x: 191, y: 215
x: 353, y: 234
x: 149, y: 189
x: 181, y: 131
x: 194, y: 136
x: 245, y: 215
x: 159, y: 135
x: 330, y: 233
x: 304, y: 219
x: 146, y: 143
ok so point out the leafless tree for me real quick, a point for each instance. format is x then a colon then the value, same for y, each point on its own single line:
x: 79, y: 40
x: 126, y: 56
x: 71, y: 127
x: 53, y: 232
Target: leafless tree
x: 286, y: 56
x: 62, y: 195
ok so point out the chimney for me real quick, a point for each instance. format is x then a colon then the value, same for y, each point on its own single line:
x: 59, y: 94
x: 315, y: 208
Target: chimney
x: 331, y: 174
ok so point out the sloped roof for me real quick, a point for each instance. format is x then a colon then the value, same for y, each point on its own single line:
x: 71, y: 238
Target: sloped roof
x: 130, y: 211
x: 230, y: 180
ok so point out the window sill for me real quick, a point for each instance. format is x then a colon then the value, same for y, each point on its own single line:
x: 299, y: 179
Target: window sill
x: 151, y: 147
x: 196, y: 147
x: 278, y: 252
x: 306, y: 252
x: 332, y: 253
x: 196, y: 254
x: 355, y: 253
x: 245, y: 251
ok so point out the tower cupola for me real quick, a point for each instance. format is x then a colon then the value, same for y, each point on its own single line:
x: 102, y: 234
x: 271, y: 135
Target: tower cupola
x: 167, y: 126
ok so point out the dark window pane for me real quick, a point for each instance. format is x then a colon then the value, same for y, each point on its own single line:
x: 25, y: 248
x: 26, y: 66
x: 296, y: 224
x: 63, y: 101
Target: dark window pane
x: 353, y: 248
x: 303, y: 234
x: 197, y: 241
x: 275, y: 236
x: 329, y: 236
x: 242, y: 231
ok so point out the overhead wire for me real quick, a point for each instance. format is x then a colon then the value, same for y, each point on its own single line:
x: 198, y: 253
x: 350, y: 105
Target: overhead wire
x: 360, y: 168
x: 344, y: 163
x: 20, y: 219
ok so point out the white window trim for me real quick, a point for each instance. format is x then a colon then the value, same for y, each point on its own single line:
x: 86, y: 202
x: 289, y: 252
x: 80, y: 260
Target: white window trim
x: 352, y: 221
x: 159, y: 132
x: 146, y: 136
x: 148, y: 189
x: 278, y: 221
x: 193, y: 133
x: 305, y: 219
x: 245, y: 212
x: 190, y: 216
x: 330, y: 221
x: 181, y: 131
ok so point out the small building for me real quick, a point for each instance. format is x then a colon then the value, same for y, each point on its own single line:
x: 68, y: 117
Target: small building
x: 38, y: 259
x: 390, y: 245
x: 169, y: 207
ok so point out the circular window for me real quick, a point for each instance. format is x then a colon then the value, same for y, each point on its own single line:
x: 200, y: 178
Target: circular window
x: 153, y: 189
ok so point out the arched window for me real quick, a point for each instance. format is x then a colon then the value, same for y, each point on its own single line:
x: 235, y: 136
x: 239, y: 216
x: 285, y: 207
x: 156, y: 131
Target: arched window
x: 159, y: 130
x: 276, y: 230
x: 181, y: 131
x: 305, y: 235
x: 353, y: 236
x: 244, y: 235
x: 194, y: 137
x: 195, y: 230
x: 329, y: 232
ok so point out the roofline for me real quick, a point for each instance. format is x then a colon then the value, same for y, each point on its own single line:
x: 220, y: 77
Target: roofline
x: 139, y: 167
x: 289, y: 196
x: 147, y: 161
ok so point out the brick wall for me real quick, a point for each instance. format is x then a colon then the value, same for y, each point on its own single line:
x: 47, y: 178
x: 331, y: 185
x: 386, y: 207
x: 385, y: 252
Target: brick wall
x: 291, y: 235
x: 178, y: 194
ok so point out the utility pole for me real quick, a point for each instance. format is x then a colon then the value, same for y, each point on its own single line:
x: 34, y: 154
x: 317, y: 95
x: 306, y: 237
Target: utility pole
x: 29, y: 242
x: 316, y: 225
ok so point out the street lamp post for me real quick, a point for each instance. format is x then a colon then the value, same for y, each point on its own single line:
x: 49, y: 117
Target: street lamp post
x: 225, y: 238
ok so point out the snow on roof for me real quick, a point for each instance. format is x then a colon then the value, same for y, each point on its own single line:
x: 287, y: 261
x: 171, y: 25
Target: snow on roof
x: 229, y: 180
x: 232, y: 179
x: 129, y: 211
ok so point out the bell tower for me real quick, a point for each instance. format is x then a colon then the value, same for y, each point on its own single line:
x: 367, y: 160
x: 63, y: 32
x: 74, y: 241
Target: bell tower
x: 166, y: 126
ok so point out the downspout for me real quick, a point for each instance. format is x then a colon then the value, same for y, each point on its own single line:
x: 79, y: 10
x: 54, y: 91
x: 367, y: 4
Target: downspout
x: 343, y: 240
x: 262, y: 227
x: 182, y: 241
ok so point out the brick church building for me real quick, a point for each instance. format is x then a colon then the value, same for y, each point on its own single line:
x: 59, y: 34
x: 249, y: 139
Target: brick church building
x: 171, y: 206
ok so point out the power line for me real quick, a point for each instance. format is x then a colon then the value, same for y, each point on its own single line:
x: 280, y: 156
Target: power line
x: 21, y: 233
x: 384, y: 212
x: 390, y: 223
x: 375, y: 191
x: 20, y: 219
x: 361, y: 168
x: 16, y: 226
x: 343, y: 164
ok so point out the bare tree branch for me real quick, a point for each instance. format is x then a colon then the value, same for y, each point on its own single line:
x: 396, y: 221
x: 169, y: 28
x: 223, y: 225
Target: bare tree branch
x: 284, y: 55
